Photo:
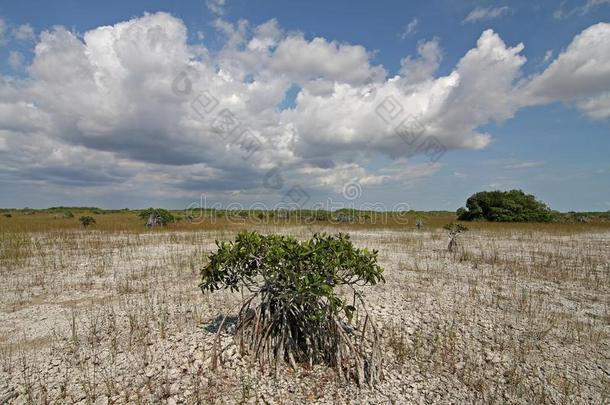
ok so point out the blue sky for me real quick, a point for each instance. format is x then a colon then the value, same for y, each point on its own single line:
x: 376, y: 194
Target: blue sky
x: 545, y: 139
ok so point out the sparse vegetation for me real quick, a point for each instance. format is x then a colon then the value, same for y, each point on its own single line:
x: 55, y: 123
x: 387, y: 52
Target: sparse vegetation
x: 86, y: 221
x: 518, y: 315
x: 129, y: 220
x: 294, y: 312
x: 453, y: 231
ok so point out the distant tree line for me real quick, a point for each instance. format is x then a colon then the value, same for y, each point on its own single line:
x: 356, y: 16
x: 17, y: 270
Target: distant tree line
x: 504, y: 206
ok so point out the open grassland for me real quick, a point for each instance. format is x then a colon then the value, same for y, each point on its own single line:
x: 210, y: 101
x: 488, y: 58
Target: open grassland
x: 520, y: 313
x: 21, y: 221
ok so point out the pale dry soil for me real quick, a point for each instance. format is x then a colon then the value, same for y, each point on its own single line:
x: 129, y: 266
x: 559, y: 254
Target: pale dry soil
x: 91, y: 317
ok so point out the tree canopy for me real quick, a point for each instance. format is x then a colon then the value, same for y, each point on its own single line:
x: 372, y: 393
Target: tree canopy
x: 86, y: 221
x: 160, y: 216
x: 505, y: 206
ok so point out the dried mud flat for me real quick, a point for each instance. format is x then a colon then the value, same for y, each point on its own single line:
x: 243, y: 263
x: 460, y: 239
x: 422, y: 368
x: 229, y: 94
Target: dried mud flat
x: 514, y: 317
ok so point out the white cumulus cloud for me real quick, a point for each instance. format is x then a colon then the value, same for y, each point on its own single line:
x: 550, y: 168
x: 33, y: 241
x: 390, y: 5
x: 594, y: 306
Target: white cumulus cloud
x: 581, y: 73
x: 134, y: 106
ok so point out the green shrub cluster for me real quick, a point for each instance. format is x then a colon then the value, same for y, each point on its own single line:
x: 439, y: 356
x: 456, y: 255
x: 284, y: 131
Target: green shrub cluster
x: 505, y: 206
x: 299, y: 315
x: 86, y: 221
x: 162, y: 216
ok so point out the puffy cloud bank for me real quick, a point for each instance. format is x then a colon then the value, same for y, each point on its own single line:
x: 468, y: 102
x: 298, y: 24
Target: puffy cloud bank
x: 134, y: 106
